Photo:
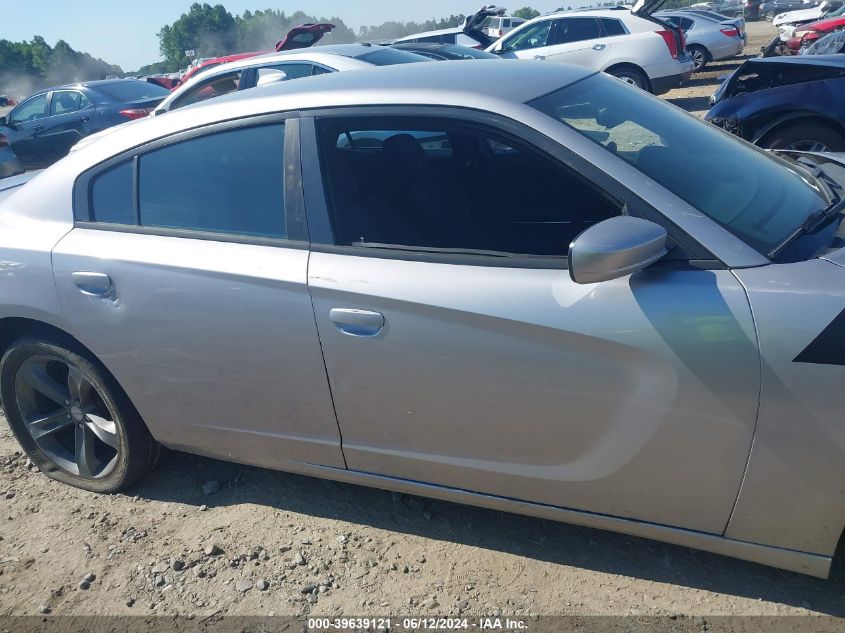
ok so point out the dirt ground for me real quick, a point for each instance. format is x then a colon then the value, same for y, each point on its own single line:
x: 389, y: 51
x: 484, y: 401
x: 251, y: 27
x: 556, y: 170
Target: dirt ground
x: 201, y: 537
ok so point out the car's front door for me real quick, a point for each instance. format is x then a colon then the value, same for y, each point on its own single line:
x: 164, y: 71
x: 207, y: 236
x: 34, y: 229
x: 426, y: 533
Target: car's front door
x: 461, y: 353
x: 186, y: 275
x: 25, y: 129
x: 68, y: 122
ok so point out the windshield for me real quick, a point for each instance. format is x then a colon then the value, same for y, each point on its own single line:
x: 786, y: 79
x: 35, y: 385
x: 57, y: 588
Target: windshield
x: 133, y: 90
x: 754, y: 195
x: 389, y: 56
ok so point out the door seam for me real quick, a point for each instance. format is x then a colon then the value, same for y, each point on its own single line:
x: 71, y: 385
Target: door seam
x: 323, y: 356
x: 757, y: 410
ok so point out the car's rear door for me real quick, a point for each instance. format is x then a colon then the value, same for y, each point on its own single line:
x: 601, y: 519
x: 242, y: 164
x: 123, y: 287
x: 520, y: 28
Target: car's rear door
x: 461, y: 353
x: 185, y: 274
x: 579, y: 40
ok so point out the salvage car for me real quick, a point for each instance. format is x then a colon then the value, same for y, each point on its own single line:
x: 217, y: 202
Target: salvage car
x: 806, y: 34
x: 630, y: 44
x: 44, y: 126
x: 707, y: 40
x: 793, y: 103
x: 259, y: 71
x: 471, y: 33
x: 771, y: 8
x: 242, y: 279
x: 301, y: 36
x: 830, y: 44
x: 802, y: 16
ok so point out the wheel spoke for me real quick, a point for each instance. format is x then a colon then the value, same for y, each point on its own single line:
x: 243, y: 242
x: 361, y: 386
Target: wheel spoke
x: 76, y: 384
x: 48, y: 424
x: 36, y: 376
x: 86, y: 460
x: 105, y: 430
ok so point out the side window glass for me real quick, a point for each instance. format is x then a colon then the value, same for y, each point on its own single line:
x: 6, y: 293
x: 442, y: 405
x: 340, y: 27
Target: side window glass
x: 612, y: 27
x: 576, y: 30
x: 229, y: 182
x: 282, y: 72
x: 319, y: 70
x: 395, y: 185
x: 111, y: 195
x: 214, y: 87
x: 84, y: 101
x: 529, y: 37
x: 30, y: 110
x: 686, y: 24
x: 64, y: 101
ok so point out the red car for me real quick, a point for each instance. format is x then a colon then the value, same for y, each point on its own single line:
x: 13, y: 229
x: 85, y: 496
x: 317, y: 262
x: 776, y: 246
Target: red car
x: 806, y: 34
x: 301, y: 36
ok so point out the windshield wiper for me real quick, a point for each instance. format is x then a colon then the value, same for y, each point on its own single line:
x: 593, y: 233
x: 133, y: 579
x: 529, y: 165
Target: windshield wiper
x: 813, y: 222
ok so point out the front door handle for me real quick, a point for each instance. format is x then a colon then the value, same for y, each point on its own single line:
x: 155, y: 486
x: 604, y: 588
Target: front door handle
x: 96, y: 284
x: 539, y: 57
x: 357, y: 322
x: 83, y: 119
x: 598, y: 47
x: 38, y: 129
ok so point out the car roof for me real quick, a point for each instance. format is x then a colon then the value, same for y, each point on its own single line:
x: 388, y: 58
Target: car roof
x: 88, y: 84
x: 450, y: 31
x: 511, y: 80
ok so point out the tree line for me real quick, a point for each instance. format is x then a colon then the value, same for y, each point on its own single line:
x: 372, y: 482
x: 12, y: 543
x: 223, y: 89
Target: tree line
x: 28, y: 66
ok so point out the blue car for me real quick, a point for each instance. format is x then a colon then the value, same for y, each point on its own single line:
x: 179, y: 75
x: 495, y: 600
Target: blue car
x: 793, y: 103
x: 43, y: 127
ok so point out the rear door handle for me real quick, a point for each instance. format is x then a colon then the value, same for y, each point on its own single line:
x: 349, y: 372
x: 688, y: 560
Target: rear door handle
x: 38, y: 128
x: 83, y: 119
x: 357, y: 322
x: 598, y: 47
x: 96, y: 284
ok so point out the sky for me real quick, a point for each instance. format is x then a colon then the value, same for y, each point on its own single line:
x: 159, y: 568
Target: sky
x: 123, y: 32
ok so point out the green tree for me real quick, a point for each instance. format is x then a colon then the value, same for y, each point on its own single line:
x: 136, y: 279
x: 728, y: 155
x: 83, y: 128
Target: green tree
x: 210, y: 31
x: 526, y: 13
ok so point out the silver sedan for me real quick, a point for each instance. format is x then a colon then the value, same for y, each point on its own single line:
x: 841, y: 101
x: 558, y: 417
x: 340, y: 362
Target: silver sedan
x: 330, y: 277
x: 708, y: 39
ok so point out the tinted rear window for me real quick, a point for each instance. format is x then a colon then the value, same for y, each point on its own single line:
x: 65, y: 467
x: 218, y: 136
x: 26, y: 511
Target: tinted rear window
x: 229, y: 182
x: 132, y: 90
x: 390, y: 56
x: 111, y: 196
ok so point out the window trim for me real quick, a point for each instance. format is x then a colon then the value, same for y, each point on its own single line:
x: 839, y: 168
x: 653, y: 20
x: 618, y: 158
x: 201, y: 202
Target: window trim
x: 177, y: 103
x: 319, y: 216
x: 294, y: 209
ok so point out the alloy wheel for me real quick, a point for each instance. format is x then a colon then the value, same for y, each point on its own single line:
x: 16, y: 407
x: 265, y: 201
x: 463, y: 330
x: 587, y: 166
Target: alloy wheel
x: 67, y: 417
x: 808, y: 146
x: 698, y: 58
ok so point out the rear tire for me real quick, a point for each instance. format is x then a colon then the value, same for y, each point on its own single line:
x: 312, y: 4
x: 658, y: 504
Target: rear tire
x: 769, y: 15
x: 631, y: 76
x: 71, y: 417
x: 700, y: 56
x: 810, y: 136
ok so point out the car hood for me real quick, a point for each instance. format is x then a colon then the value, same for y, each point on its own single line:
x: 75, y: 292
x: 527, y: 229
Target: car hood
x: 797, y: 16
x: 823, y: 26
x: 303, y: 36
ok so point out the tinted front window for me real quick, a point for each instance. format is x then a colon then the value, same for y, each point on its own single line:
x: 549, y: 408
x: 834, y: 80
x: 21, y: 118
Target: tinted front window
x: 132, y: 90
x: 533, y: 36
x: 30, y: 110
x: 213, y: 87
x: 436, y: 185
x: 384, y: 56
x: 230, y: 182
x: 749, y: 192
x: 111, y: 196
x: 575, y: 30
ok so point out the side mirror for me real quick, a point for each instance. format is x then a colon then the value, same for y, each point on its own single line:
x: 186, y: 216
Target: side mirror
x: 614, y: 248
x: 4, y: 121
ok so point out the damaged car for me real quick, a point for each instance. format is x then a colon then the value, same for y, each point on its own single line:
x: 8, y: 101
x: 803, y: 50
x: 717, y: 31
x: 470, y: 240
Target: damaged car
x: 472, y: 33
x: 795, y: 103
